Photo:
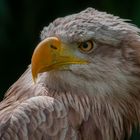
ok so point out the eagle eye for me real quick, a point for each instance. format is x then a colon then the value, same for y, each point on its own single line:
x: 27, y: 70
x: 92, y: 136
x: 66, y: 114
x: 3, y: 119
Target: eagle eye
x: 86, y: 47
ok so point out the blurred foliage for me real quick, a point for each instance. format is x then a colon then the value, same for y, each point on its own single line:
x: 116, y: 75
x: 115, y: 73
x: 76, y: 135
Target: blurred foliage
x: 22, y: 20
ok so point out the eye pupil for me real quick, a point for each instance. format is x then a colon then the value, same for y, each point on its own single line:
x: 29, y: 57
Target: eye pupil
x: 85, y: 45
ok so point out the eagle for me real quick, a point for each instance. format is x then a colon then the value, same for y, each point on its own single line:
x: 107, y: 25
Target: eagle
x: 83, y: 82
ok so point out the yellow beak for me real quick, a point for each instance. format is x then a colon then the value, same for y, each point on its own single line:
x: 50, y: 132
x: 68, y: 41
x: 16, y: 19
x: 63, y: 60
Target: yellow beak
x: 52, y: 54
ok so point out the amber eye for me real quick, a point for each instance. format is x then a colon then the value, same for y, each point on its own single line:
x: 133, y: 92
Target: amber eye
x: 86, y: 47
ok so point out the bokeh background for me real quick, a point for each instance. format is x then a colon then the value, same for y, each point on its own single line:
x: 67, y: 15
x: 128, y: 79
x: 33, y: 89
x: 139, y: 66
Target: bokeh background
x: 21, y: 22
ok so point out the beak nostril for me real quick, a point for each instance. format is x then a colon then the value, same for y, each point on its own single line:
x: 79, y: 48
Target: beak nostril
x: 53, y: 47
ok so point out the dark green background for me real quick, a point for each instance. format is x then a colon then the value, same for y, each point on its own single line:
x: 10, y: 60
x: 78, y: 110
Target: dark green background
x: 22, y: 20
